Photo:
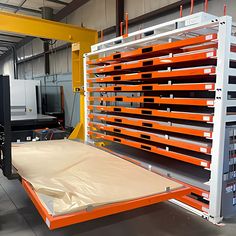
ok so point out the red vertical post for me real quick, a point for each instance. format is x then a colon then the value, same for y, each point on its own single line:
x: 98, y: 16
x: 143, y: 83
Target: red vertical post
x: 181, y: 11
x: 191, y: 7
x: 206, y: 6
x: 225, y: 9
x: 126, y: 24
x: 102, y: 36
x: 140, y: 27
x: 121, y: 28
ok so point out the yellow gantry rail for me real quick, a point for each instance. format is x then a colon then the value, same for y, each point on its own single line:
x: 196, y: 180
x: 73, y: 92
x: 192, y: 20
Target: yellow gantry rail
x: 81, y: 38
x: 32, y: 26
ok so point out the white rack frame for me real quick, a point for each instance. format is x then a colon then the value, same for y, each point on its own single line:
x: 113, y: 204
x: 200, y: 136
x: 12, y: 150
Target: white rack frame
x: 202, y: 22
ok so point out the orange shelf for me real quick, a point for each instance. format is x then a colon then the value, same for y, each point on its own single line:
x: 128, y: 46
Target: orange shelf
x: 185, y: 199
x: 155, y: 87
x: 152, y: 112
x: 152, y: 137
x: 167, y: 61
x: 184, y: 65
x: 98, y: 212
x: 153, y: 149
x: 145, y: 76
x: 198, y: 191
x: 194, y: 203
x: 151, y: 125
x: 157, y: 100
x: 157, y: 49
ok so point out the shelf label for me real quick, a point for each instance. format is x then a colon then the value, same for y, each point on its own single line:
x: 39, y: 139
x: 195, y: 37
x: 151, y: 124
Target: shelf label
x: 205, y: 195
x: 206, y: 134
x: 206, y: 118
x: 203, y: 164
x: 210, y: 54
x: 47, y: 222
x: 209, y: 37
x: 210, y: 103
x: 207, y: 71
x: 208, y: 86
x: 203, y: 150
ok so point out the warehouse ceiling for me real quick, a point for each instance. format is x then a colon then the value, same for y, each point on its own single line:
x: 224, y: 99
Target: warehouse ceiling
x: 32, y: 7
x: 61, y: 8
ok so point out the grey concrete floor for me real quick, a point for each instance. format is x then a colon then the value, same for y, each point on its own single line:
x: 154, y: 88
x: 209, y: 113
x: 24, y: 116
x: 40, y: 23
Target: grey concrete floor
x: 18, y: 217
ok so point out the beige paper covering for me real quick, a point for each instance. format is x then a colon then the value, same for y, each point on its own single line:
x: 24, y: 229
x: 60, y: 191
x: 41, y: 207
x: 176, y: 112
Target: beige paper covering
x: 69, y: 176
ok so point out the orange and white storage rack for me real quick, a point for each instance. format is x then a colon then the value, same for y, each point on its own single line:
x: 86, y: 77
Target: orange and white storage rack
x: 164, y: 97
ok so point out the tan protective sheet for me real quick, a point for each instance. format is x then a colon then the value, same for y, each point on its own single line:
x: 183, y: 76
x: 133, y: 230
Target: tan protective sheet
x: 70, y: 176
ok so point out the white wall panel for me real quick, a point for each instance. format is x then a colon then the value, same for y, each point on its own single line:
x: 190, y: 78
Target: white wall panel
x: 59, y: 62
x: 139, y: 7
x: 96, y: 14
x: 37, y: 45
x: 21, y: 71
x: 20, y: 53
x: 28, y: 70
x: 7, y: 67
x: 28, y: 50
x: 38, y: 67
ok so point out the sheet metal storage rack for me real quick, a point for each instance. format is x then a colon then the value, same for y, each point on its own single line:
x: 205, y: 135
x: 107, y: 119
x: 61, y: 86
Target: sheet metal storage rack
x: 164, y: 97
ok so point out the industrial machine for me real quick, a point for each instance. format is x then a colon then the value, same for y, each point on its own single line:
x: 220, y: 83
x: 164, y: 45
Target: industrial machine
x: 25, y: 110
x: 23, y: 98
x: 162, y: 98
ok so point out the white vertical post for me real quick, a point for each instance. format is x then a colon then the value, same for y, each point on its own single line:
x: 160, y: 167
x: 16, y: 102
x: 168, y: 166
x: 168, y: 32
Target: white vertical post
x: 219, y: 121
x: 85, y: 99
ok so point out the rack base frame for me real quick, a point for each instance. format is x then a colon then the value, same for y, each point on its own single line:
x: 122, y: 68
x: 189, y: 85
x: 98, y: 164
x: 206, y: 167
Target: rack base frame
x: 98, y: 212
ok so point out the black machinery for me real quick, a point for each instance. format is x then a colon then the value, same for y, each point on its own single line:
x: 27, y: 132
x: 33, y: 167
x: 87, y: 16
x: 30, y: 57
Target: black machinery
x: 5, y: 127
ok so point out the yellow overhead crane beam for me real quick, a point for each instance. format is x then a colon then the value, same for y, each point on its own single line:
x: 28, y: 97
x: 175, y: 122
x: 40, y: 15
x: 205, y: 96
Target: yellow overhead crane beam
x: 81, y: 38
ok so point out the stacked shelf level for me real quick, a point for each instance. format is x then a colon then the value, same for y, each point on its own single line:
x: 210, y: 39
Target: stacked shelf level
x: 159, y: 96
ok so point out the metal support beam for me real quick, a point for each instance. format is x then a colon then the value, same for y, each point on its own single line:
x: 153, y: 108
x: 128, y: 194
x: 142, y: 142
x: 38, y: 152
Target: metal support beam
x: 5, y: 5
x: 72, y: 6
x: 220, y: 111
x: 4, y: 47
x: 58, y: 2
x: 12, y: 36
x: 35, y: 27
x: 47, y: 14
x: 120, y: 4
x: 6, y: 41
x: 19, y: 7
x: 50, y: 51
x: 15, y: 66
x: 46, y: 58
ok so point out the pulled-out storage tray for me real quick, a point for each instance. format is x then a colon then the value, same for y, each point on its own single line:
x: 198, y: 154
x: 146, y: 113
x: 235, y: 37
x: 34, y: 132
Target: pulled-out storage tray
x: 71, y: 182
